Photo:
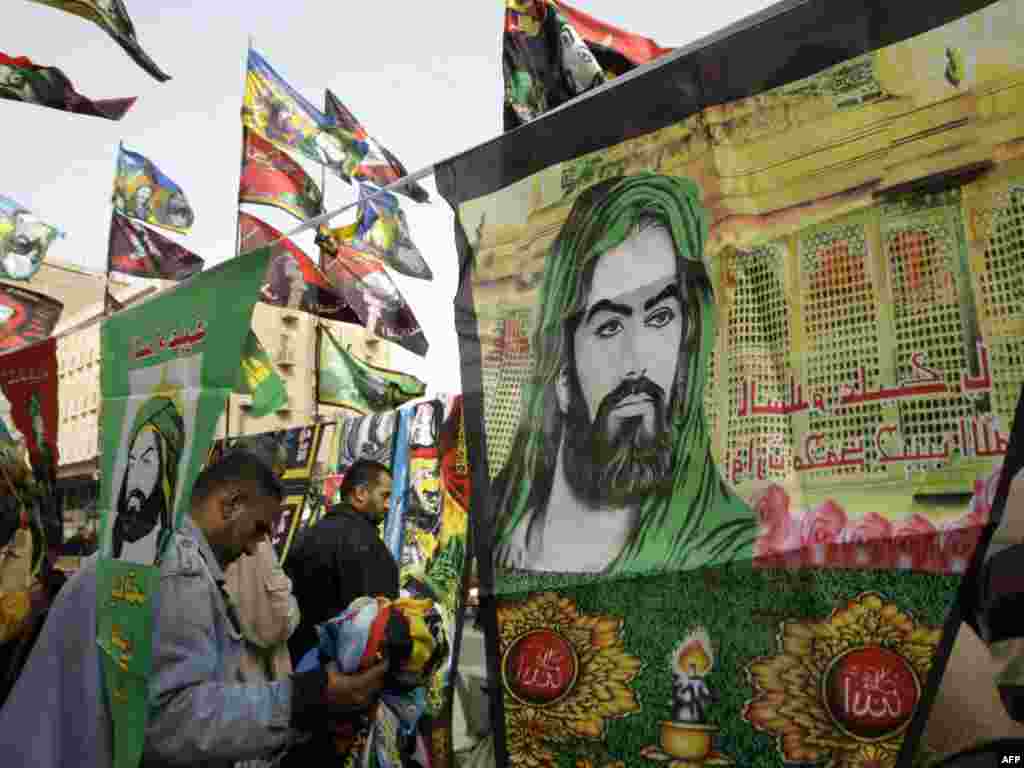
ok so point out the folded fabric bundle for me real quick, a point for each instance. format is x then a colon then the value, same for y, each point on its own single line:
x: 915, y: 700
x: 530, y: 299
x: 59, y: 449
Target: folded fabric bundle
x: 410, y: 634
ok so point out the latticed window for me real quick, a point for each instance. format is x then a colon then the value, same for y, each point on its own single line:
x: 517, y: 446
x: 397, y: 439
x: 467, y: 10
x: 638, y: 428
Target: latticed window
x: 506, y: 368
x: 922, y: 251
x: 757, y: 350
x: 841, y: 315
x: 1002, y: 289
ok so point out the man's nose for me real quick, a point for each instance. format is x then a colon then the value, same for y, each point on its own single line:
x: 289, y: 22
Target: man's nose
x: 631, y: 363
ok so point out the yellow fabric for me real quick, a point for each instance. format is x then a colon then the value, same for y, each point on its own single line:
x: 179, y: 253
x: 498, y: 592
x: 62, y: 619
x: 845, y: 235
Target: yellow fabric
x: 415, y: 611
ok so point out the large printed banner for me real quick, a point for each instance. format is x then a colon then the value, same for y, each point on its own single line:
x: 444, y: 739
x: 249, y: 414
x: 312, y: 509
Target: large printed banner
x: 26, y: 317
x: 28, y: 384
x: 169, y: 364
x: 28, y: 428
x: 740, y: 373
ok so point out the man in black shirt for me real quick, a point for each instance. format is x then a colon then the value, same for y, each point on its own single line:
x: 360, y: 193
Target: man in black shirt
x: 342, y: 557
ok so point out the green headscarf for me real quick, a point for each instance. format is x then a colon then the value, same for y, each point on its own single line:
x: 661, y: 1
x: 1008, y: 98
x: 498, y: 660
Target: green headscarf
x: 162, y: 415
x: 702, y: 521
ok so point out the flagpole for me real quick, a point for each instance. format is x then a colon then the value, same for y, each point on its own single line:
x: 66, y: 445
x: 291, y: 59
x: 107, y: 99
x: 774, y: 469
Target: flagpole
x: 316, y: 341
x: 106, y: 282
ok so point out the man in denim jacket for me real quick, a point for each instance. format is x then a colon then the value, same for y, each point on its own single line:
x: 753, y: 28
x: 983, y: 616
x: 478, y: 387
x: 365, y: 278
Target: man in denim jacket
x: 201, y: 715
x: 200, y: 712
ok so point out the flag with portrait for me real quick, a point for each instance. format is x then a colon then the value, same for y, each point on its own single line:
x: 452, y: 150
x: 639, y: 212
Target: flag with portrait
x: 135, y: 249
x: 145, y: 193
x: 366, y: 287
x: 739, y: 383
x: 24, y: 240
x: 378, y: 165
x: 292, y: 279
x: 277, y: 112
x: 23, y: 80
x: 383, y: 231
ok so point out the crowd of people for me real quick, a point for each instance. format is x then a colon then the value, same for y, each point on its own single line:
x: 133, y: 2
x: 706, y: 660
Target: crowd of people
x: 231, y: 628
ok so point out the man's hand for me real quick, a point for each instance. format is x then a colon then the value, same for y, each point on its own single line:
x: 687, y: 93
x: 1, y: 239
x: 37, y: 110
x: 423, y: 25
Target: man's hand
x: 352, y: 693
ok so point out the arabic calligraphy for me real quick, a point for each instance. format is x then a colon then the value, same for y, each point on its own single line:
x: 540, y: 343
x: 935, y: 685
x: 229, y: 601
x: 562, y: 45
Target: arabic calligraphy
x: 923, y: 380
x: 972, y: 436
x: 181, y: 342
x: 23, y: 375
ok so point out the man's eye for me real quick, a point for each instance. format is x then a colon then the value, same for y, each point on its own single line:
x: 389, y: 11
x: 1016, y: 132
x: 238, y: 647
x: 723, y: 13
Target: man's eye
x: 608, y: 328
x: 661, y: 317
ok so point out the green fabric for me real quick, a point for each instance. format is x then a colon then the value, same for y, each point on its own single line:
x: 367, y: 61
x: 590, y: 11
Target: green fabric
x: 349, y: 382
x: 177, y: 382
x: 257, y: 377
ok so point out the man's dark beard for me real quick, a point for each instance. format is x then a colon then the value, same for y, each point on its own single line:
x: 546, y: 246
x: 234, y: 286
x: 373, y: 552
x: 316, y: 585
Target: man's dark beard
x: 131, y: 526
x: 618, y: 465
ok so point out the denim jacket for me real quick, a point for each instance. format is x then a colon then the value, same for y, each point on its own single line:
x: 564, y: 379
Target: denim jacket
x: 200, y: 713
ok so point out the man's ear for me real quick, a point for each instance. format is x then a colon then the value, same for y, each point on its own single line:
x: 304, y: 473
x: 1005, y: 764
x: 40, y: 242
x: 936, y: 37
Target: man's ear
x: 562, y: 389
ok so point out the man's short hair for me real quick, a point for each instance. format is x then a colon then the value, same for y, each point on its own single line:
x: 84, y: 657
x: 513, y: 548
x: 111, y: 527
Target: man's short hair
x: 238, y: 465
x: 363, y: 472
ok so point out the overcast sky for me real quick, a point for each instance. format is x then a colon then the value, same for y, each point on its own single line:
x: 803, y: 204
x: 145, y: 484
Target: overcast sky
x: 424, y: 78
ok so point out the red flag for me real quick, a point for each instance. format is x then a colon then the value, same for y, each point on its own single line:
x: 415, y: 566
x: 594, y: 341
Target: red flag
x: 25, y: 317
x: 271, y: 177
x: 293, y: 280
x: 605, y: 40
x: 28, y: 380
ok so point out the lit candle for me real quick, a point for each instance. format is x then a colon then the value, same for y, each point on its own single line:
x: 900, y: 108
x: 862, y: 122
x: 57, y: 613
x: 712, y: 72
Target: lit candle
x: 692, y: 661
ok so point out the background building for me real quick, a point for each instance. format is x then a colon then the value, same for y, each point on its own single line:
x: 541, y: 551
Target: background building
x: 288, y: 335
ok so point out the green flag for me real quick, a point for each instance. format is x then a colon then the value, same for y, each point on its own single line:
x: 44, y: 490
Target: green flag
x: 257, y: 377
x: 345, y: 380
x: 169, y: 364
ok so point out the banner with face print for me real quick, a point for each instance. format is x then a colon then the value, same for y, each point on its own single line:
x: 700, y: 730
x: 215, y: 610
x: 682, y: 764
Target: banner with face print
x: 169, y: 364
x: 740, y: 374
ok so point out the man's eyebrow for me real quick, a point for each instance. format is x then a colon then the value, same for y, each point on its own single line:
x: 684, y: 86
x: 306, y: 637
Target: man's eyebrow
x: 605, y: 305
x: 146, y: 452
x: 670, y: 290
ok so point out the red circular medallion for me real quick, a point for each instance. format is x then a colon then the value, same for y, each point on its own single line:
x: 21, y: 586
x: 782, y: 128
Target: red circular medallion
x: 540, y: 667
x: 871, y: 692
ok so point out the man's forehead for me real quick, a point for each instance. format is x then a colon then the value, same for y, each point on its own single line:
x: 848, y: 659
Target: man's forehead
x: 638, y: 268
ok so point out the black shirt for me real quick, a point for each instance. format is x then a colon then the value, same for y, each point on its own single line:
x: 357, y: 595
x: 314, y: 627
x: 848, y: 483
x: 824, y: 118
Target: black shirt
x: 334, y: 562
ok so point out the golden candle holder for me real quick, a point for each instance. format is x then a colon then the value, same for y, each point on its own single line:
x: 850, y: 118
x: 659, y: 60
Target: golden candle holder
x: 685, y: 745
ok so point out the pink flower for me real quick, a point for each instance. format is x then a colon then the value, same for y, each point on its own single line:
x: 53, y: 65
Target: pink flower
x: 819, y: 528
x: 868, y: 542
x: 959, y: 539
x: 779, y: 530
x: 980, y: 509
x: 916, y: 546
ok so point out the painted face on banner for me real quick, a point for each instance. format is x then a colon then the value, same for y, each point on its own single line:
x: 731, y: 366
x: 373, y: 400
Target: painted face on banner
x: 145, y: 498
x: 626, y: 350
x: 179, y: 213
x: 141, y: 501
x: 423, y: 432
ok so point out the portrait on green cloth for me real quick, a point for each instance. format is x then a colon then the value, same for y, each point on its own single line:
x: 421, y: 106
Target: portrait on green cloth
x: 153, y: 451
x: 611, y: 466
